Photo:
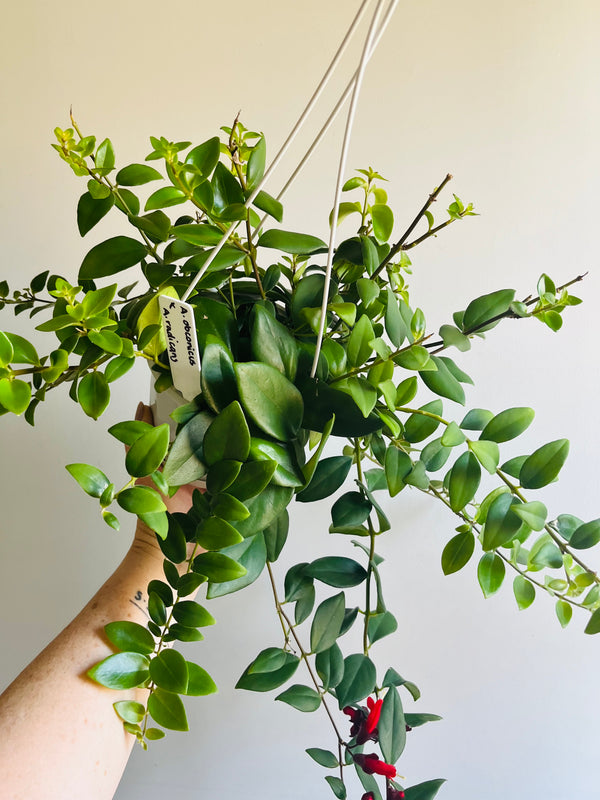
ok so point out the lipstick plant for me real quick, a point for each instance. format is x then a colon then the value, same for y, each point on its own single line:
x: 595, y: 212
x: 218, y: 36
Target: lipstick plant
x: 384, y: 388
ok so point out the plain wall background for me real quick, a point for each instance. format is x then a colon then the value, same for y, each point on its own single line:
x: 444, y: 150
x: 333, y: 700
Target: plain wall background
x: 503, y: 96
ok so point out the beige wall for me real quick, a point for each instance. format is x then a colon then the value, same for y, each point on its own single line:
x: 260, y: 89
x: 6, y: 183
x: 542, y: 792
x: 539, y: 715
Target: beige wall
x: 504, y: 96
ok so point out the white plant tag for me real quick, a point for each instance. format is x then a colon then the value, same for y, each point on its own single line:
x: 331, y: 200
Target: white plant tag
x: 182, y: 345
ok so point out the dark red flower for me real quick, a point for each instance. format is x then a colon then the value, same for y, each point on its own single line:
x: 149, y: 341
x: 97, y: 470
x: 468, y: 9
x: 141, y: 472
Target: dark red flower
x: 368, y: 796
x: 394, y: 794
x: 374, y: 714
x: 371, y: 764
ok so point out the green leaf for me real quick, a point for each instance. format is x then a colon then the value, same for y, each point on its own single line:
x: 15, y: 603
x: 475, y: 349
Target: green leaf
x: 564, y: 612
x: 157, y: 610
x: 91, y: 210
x: 381, y: 625
x: 93, y: 394
x: 397, y: 466
x: 424, y: 791
x: 199, y: 681
x: 383, y: 221
x: 330, y: 666
x: 487, y: 453
x: 464, y: 480
x: 130, y: 636
x: 452, y: 337
x: 273, y: 344
x: 14, y: 395
x: 92, y: 480
x: 350, y: 509
x: 586, y: 535
x: 275, y: 536
x: 218, y: 377
x: 337, y: 786
x: 253, y: 478
x: 147, y: 453
x: 169, y: 671
x: 264, y: 681
x: 214, y: 533
x: 23, y: 351
x: 490, y: 573
x: 140, y: 500
x: 167, y: 709
x: 416, y: 720
x: 109, y: 341
x: 394, y: 324
x: 458, y: 552
x: 269, y: 205
x: 293, y: 243
x: 130, y: 711
x: 544, y: 553
x: 443, y: 382
x: 543, y: 466
x: 301, y: 697
x: 533, y: 514
x: 111, y: 256
x: 358, y: 681
x: 118, y: 367
x: 484, y: 308
x: 164, y: 198
x: 192, y: 614
x: 593, y: 625
x: 359, y: 344
x: 524, y: 592
x: 228, y: 436
x: 185, y: 461
x: 476, y: 419
x: 130, y: 431
x: 271, y: 401
x: 104, y: 161
x: 420, y: 426
x: 264, y: 508
x: 508, y: 424
x: 392, y: 727
x: 501, y: 524
x: 327, y: 623
x: 256, y: 163
x: 205, y: 156
x: 218, y: 567
x: 328, y: 477
x: 325, y: 758
x: 337, y: 571
x: 121, y: 671
x: 136, y: 175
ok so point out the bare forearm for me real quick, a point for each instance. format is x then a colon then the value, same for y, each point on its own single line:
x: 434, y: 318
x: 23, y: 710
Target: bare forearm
x: 60, y: 735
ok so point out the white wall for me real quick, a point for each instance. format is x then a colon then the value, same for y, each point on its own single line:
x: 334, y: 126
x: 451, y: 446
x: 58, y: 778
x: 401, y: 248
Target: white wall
x: 504, y: 96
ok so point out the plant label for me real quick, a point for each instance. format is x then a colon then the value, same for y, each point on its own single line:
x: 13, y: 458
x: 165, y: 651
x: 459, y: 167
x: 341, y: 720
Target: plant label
x: 182, y: 345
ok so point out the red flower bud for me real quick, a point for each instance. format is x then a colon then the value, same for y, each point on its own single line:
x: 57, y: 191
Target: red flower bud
x: 368, y: 796
x: 370, y: 764
x: 374, y: 714
x: 394, y: 794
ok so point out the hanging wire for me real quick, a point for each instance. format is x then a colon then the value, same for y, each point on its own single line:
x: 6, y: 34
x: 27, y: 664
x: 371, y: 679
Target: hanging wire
x: 341, y: 169
x: 317, y: 93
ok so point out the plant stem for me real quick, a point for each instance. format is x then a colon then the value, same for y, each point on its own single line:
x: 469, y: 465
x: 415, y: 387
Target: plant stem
x: 399, y: 244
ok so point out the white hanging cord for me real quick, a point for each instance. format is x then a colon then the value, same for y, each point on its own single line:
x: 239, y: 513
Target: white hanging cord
x: 317, y: 93
x: 340, y: 177
x: 338, y: 106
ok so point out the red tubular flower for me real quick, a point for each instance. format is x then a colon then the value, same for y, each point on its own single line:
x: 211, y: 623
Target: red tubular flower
x: 394, y: 794
x: 370, y: 764
x: 368, y: 796
x: 374, y: 714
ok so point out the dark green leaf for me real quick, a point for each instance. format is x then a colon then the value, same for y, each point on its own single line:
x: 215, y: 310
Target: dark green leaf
x: 294, y: 243
x: 192, y: 614
x: 329, y: 475
x: 146, y: 454
x: 586, y: 535
x: 167, y: 709
x: 457, y: 552
x: 336, y: 571
x: 269, y: 205
x: 484, y: 308
x: 337, y: 786
x: 543, y: 466
x: 275, y: 536
x: 358, y: 681
x: 464, y: 480
x: 169, y: 671
x: 218, y: 567
x: 593, y: 625
x: 351, y: 508
x: 424, y: 791
x: 111, y: 256
x: 381, y: 625
x: 270, y: 400
x: 228, y: 436
x: 271, y: 679
x: 397, y: 466
x: 130, y: 636
x: 90, y: 211
x: 327, y: 622
x: 301, y: 697
x: 325, y: 758
x: 420, y: 426
x: 184, y: 463
x: 330, y: 666
x: 501, y: 523
x: 392, y: 727
x: 508, y: 424
x: 273, y: 344
x: 219, y: 386
x: 443, y: 382
x: 490, y: 573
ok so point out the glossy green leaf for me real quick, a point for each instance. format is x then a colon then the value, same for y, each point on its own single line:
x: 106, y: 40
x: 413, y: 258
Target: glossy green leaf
x: 564, y: 612
x: 420, y: 426
x: 304, y: 698
x: 593, y: 625
x: 199, y: 681
x: 130, y: 711
x: 524, y: 592
x: 14, y: 395
x: 464, y: 480
x: 337, y: 571
x: 164, y: 198
x: 586, y: 535
x: 93, y: 394
x: 359, y: 344
x: 167, y: 709
x: 327, y: 622
x: 108, y: 341
x: 443, y: 382
x: 424, y: 791
x: 452, y: 337
x: 218, y: 377
x: 92, y: 480
x: 381, y: 625
x: 351, y: 509
x: 130, y: 636
x: 328, y: 477
x: 533, y: 514
x: 192, y: 614
x: 112, y: 256
x: 275, y: 536
x: 137, y: 175
x: 358, y: 681
x: 218, y: 567
x: 214, y: 533
x: 147, y: 453
x: 205, y: 156
x: 476, y: 419
x: 490, y: 573
x: 487, y: 453
x: 130, y: 431
x: 228, y: 436
x: 485, y: 308
x: 544, y: 553
x: 269, y: 205
x: 91, y: 210
x: 185, y: 461
x: 258, y: 681
x: 140, y: 500
x: 325, y: 758
x: 383, y: 221
x: 458, y: 552
x: 508, y: 424
x: 169, y: 671
x: 330, y: 666
x: 337, y: 786
x: 23, y: 351
x: 272, y: 343
x: 543, y: 466
x: 270, y: 400
x: 121, y: 671
x: 501, y: 523
x: 394, y: 324
x: 392, y: 727
x: 293, y: 243
x: 397, y: 466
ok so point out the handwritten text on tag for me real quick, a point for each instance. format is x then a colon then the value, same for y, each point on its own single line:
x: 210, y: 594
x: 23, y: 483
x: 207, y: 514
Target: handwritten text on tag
x: 182, y: 345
